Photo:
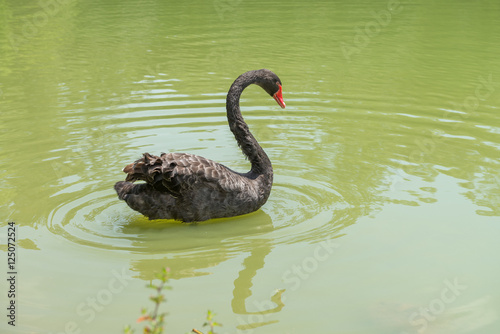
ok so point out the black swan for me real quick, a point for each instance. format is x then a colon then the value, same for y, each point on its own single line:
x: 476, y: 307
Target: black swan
x: 191, y: 188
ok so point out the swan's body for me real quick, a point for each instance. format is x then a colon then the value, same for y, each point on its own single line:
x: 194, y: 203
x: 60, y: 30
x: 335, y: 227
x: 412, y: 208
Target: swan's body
x: 191, y: 188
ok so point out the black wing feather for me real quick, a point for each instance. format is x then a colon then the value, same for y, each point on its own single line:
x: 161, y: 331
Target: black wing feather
x: 176, y: 173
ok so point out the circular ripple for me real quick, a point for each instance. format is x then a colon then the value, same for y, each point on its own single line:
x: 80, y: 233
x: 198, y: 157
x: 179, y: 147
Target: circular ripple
x: 302, y: 207
x: 93, y: 219
x: 305, y: 210
x: 298, y: 210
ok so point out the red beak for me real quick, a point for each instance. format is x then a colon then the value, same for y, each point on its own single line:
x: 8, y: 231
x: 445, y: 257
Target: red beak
x: 278, y: 96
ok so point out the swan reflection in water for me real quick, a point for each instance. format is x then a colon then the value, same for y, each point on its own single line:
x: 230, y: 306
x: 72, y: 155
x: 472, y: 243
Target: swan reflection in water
x: 221, y: 245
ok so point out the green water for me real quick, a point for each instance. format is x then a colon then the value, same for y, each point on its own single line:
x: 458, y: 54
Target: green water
x: 385, y: 212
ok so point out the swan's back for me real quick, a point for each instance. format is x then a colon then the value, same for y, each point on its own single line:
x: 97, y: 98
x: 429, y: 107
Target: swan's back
x: 176, y: 180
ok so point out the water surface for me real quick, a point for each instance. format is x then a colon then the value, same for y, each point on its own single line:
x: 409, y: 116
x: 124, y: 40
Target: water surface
x: 385, y: 210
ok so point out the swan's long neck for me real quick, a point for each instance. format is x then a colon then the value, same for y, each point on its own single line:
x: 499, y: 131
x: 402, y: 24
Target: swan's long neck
x: 247, y: 142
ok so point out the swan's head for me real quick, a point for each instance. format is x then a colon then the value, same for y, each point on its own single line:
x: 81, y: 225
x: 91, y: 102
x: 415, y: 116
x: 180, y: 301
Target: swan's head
x: 271, y: 84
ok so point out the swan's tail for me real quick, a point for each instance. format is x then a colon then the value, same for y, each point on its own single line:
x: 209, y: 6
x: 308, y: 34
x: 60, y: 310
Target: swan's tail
x: 124, y: 189
x: 148, y: 168
x: 145, y: 199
